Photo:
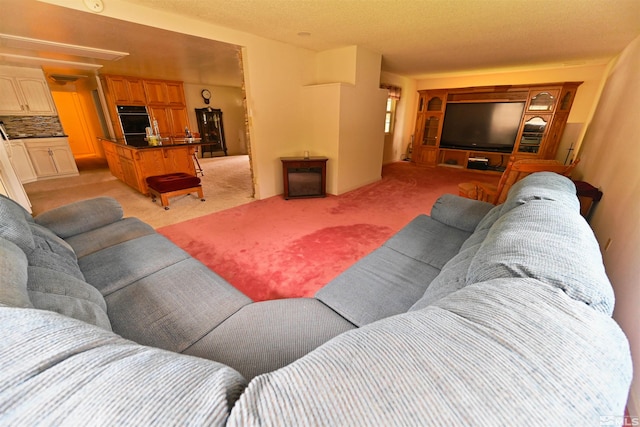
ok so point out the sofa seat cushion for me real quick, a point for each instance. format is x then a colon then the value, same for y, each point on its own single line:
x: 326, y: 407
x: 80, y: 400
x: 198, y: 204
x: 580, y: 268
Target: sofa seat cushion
x: 174, y: 306
x: 453, y: 275
x: 427, y: 240
x: 379, y: 285
x: 119, y: 265
x: 495, y: 351
x: 268, y: 335
x: 108, y: 235
x: 89, y: 376
x: 14, y: 276
x: 393, y: 277
x: 64, y: 294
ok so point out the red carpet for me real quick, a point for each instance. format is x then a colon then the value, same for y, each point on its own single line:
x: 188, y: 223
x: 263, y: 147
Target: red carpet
x: 276, y: 248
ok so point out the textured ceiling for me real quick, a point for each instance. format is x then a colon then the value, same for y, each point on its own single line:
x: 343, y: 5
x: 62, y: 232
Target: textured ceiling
x: 418, y: 37
x: 415, y: 37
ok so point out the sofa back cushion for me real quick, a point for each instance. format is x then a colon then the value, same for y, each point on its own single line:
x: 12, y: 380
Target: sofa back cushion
x: 14, y: 224
x: 58, y: 371
x: 56, y: 291
x: 82, y: 216
x: 459, y: 212
x: 538, y: 233
x: 50, y: 251
x: 13, y: 280
x: 547, y: 240
x: 542, y: 185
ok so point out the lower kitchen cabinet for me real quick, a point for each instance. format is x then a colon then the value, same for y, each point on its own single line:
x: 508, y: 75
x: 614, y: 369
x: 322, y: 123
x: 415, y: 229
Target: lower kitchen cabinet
x: 51, y: 157
x: 133, y: 165
x: 21, y: 162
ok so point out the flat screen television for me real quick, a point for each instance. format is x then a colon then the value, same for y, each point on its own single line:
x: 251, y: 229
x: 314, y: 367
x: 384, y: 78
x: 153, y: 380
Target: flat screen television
x: 483, y: 126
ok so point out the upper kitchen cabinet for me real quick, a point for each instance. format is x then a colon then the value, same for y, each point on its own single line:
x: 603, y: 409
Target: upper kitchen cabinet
x: 125, y: 90
x: 24, y: 92
x: 164, y: 92
x: 164, y: 99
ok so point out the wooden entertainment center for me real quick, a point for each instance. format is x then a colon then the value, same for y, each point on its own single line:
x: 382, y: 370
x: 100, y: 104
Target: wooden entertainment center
x: 546, y: 110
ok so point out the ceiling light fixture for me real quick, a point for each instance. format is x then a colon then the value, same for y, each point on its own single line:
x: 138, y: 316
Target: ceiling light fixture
x: 19, y: 42
x: 46, y: 61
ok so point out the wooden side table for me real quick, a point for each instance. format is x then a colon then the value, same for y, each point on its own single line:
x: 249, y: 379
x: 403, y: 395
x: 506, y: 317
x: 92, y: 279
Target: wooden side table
x: 304, y: 177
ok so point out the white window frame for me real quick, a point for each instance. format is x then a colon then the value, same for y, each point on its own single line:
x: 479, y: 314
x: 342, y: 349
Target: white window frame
x: 390, y: 115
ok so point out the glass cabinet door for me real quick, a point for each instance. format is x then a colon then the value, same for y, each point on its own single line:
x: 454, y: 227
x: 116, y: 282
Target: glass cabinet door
x: 211, y: 130
x: 543, y: 101
x: 430, y: 132
x: 533, y: 133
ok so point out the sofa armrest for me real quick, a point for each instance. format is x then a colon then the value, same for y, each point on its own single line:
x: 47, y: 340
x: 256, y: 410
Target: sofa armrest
x: 459, y: 212
x: 82, y: 216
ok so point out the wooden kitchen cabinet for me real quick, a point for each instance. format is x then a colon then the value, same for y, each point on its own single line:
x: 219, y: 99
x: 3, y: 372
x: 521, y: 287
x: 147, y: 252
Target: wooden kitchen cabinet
x: 24, y: 92
x: 20, y: 161
x: 51, y: 157
x: 113, y: 160
x: 133, y: 165
x: 164, y: 99
x: 179, y: 121
x: 164, y: 92
x: 126, y: 90
x: 171, y: 120
x: 175, y: 93
x: 156, y: 92
x: 162, y: 115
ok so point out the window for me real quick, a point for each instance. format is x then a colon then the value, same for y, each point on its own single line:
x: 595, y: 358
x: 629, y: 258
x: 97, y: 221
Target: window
x: 390, y: 115
x: 392, y: 101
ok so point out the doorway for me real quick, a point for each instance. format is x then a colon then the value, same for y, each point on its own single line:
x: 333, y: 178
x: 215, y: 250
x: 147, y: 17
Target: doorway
x: 79, y: 119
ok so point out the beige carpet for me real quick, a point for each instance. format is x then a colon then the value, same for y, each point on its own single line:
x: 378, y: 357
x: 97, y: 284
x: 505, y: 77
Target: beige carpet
x: 226, y: 183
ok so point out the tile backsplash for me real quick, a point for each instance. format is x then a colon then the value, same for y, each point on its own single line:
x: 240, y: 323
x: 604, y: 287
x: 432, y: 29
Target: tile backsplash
x: 25, y: 126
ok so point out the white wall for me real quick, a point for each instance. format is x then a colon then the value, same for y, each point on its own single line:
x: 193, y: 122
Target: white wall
x: 343, y: 120
x: 609, y: 161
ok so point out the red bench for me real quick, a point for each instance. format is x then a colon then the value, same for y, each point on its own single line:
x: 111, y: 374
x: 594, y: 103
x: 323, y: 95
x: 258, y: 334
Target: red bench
x: 173, y: 184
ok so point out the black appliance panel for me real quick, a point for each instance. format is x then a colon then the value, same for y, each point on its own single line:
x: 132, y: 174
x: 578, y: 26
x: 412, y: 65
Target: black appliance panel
x: 134, y: 121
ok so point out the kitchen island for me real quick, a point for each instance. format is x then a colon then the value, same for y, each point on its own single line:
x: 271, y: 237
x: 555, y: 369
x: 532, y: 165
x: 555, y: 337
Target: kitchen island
x: 132, y: 165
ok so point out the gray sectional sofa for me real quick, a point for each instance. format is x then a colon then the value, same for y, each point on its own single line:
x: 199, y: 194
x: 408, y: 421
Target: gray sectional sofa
x: 474, y: 315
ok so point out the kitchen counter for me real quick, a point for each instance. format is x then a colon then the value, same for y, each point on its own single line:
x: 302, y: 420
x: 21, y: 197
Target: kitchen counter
x: 166, y: 142
x: 132, y: 165
x: 40, y: 135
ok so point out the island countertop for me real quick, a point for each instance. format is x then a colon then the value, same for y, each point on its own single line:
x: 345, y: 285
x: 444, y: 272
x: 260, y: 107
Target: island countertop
x: 132, y: 165
x: 166, y: 142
